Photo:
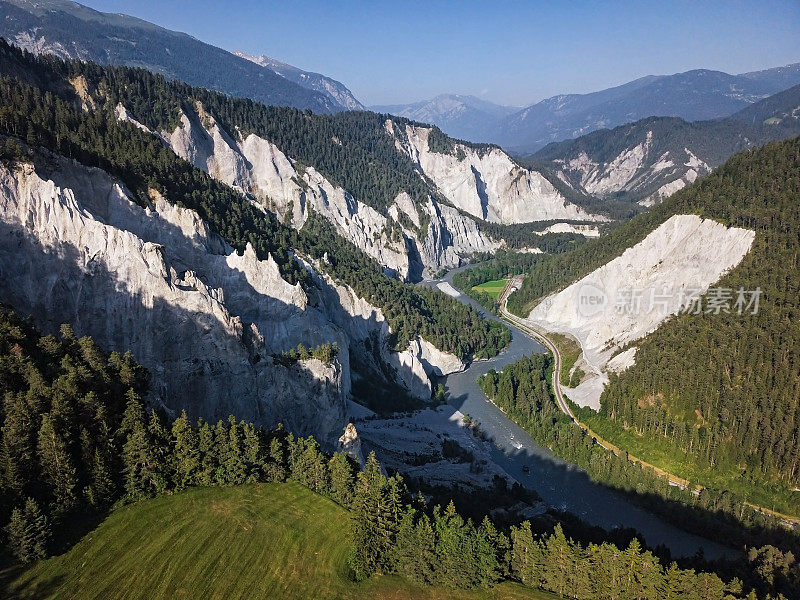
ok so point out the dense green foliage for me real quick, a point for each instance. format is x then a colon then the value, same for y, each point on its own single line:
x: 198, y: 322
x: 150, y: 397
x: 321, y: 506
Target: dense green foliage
x: 68, y: 446
x: 411, y: 310
x: 725, y: 386
x: 276, y: 541
x: 324, y: 352
x: 96, y: 138
x: 523, y: 391
x: 440, y: 547
x: 492, y: 268
x: 62, y: 403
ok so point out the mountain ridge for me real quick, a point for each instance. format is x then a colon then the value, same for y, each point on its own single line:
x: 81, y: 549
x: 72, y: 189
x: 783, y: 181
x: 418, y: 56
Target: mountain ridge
x: 71, y: 30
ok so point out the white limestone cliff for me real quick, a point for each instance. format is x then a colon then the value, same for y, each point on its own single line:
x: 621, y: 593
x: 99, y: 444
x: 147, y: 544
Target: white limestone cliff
x: 258, y: 166
x: 630, y: 296
x: 203, y: 319
x: 487, y: 183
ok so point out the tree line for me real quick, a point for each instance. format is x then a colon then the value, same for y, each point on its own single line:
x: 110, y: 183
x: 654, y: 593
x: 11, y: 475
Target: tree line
x: 523, y: 390
x: 77, y: 438
x: 722, y: 388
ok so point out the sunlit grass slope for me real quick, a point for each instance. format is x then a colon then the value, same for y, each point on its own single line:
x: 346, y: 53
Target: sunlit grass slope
x: 255, y: 541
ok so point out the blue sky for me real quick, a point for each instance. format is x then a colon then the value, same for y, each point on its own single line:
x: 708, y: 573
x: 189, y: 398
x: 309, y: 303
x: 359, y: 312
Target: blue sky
x: 506, y: 52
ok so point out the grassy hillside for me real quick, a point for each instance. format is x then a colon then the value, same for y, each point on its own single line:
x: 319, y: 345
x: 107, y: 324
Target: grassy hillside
x: 253, y: 541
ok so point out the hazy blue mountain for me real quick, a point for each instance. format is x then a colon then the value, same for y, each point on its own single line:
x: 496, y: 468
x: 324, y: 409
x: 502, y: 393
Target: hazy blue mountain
x: 71, y: 30
x: 335, y: 90
x: 650, y: 159
x: 694, y: 95
x: 464, y: 117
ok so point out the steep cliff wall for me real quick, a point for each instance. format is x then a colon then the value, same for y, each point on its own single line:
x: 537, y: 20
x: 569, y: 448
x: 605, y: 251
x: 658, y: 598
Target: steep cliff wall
x: 438, y: 236
x: 206, y: 321
x: 487, y: 183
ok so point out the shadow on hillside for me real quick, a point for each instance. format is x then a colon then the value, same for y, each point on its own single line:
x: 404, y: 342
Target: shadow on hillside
x: 661, y: 521
x: 197, y: 363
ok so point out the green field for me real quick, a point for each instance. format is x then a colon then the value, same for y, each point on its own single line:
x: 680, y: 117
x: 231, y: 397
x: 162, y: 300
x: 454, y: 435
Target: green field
x: 254, y: 541
x: 494, y: 288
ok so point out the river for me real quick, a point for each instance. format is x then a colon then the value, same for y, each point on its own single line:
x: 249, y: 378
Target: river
x: 560, y: 484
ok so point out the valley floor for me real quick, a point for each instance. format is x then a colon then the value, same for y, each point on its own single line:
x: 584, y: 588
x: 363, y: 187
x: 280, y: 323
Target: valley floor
x: 253, y: 541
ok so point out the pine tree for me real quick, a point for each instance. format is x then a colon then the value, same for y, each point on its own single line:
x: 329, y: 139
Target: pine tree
x: 56, y: 464
x: 253, y: 452
x: 160, y: 456
x: 369, y: 551
x: 276, y: 467
x: 186, y: 464
x: 28, y: 532
x: 559, y: 562
x: 342, y: 468
x: 526, y: 555
x: 208, y: 458
x: 102, y: 488
x: 220, y: 452
x: 232, y: 455
x: 132, y: 417
x: 19, y: 434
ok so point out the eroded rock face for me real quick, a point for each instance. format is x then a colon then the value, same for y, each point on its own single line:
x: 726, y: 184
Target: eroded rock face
x: 639, y: 290
x: 256, y: 165
x: 205, y: 320
x: 350, y: 443
x: 369, y: 334
x: 487, y: 184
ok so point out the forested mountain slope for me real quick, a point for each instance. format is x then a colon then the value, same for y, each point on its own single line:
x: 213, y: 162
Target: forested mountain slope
x: 70, y: 30
x: 353, y: 168
x: 114, y: 233
x: 722, y: 387
x: 648, y: 160
x: 695, y: 95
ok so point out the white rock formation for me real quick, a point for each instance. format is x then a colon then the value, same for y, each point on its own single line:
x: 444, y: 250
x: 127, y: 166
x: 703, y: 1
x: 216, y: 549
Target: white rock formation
x: 366, y: 325
x: 206, y: 321
x: 258, y: 166
x: 487, y: 185
x: 350, y: 443
x: 634, y: 169
x: 633, y: 294
x: 589, y: 231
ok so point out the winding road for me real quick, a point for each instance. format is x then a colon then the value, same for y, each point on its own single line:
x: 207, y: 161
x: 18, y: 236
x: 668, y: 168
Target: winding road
x: 559, y: 483
x: 529, y: 329
x: 541, y: 336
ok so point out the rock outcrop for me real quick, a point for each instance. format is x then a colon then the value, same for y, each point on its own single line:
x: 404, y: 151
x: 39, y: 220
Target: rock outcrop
x: 350, y: 443
x: 203, y: 319
x: 486, y: 183
x: 630, y: 296
x: 255, y: 165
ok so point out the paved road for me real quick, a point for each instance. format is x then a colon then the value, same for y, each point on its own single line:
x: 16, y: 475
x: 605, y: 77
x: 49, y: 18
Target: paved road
x: 541, y: 336
x: 561, y: 484
x: 527, y: 328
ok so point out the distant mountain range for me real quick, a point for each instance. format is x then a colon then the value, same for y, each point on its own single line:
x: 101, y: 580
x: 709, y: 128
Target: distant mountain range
x: 71, y: 30
x: 694, y: 95
x: 650, y: 159
x: 463, y: 117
